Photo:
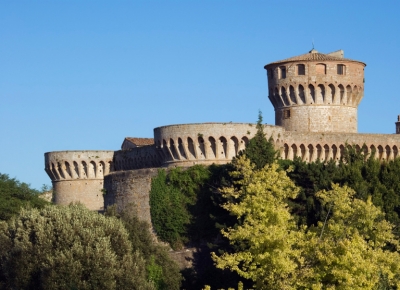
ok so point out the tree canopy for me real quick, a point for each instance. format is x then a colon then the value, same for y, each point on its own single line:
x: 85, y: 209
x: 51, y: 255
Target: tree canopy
x: 352, y: 248
x: 14, y: 195
x: 68, y: 248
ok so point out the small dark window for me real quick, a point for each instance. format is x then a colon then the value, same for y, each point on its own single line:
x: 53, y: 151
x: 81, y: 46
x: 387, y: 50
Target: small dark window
x: 282, y: 72
x: 341, y: 69
x: 286, y: 114
x: 301, y: 69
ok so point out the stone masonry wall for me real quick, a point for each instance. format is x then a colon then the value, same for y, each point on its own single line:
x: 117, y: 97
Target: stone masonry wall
x: 130, y: 189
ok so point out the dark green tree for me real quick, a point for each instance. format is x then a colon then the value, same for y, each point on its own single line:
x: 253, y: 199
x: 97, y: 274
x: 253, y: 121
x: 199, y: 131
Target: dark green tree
x: 15, y: 194
x: 259, y: 150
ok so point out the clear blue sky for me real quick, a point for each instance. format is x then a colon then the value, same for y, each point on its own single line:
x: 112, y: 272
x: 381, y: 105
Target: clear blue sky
x: 78, y: 75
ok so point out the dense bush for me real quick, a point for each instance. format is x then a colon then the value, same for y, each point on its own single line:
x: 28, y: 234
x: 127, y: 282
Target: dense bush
x: 68, y: 248
x: 161, y: 270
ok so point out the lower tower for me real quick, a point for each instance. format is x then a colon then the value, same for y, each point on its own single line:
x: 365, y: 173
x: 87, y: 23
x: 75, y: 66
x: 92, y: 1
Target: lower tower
x: 78, y: 176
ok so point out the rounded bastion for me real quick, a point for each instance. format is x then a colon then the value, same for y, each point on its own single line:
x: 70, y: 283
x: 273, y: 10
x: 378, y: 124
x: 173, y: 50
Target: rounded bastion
x: 205, y: 143
x: 77, y: 176
x: 316, y: 92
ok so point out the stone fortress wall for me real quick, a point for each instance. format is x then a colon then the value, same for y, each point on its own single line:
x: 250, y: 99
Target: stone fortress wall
x: 78, y: 176
x: 315, y: 97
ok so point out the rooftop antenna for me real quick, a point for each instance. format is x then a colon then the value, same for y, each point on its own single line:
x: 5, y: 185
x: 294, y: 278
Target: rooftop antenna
x: 312, y: 43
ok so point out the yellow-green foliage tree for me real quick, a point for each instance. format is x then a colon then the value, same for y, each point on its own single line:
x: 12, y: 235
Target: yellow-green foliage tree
x: 265, y: 238
x: 68, y: 248
x: 354, y: 248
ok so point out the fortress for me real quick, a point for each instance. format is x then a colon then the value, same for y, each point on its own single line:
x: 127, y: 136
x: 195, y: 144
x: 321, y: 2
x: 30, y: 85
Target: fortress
x: 315, y: 97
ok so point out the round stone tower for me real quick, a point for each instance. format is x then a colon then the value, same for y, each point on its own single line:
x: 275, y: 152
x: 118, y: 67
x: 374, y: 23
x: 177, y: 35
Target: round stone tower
x: 77, y: 176
x: 398, y: 125
x: 316, y: 92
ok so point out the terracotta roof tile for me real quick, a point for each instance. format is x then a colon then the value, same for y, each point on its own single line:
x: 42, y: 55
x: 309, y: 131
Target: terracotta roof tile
x: 140, y: 141
x: 313, y: 55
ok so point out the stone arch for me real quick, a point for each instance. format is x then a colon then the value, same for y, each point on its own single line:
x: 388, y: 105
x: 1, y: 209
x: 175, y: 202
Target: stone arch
x: 173, y: 150
x: 213, y: 148
x: 76, y: 169
x: 201, y: 147
x: 92, y: 169
x: 330, y: 96
x: 285, y: 97
x: 302, y: 95
x: 191, y: 150
x: 181, y: 149
x: 335, y: 152
x: 233, y: 147
x: 319, y: 151
x: 292, y: 95
x: 223, y: 147
x: 102, y: 168
x: 312, y: 94
x: 327, y: 153
x: 389, y: 152
x: 294, y: 149
x: 68, y: 169
x: 374, y: 151
x: 167, y: 151
x: 381, y: 153
x: 342, y: 96
x: 243, y: 142
x: 341, y: 150
x: 285, y: 151
x: 395, y: 151
x: 54, y: 171
x: 278, y: 97
x: 303, y: 152
x: 311, y: 153
x: 320, y: 95
x: 349, y: 95
x: 60, y: 170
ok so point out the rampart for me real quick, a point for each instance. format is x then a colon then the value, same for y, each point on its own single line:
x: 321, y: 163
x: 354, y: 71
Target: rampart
x: 78, y: 176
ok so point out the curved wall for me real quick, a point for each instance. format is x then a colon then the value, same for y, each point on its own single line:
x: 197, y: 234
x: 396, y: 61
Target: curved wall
x: 205, y: 143
x: 77, y: 176
x: 316, y: 94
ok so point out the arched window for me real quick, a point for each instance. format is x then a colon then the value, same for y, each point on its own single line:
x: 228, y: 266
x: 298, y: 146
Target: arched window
x: 301, y: 69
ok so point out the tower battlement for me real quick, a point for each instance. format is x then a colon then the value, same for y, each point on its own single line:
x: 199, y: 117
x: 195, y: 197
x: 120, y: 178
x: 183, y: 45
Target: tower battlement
x: 316, y: 92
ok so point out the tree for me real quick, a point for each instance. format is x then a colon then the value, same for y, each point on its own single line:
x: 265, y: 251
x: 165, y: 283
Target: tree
x: 68, y: 248
x: 353, y: 247
x: 259, y: 150
x: 351, y: 250
x: 161, y: 270
x: 14, y: 195
x: 265, y: 235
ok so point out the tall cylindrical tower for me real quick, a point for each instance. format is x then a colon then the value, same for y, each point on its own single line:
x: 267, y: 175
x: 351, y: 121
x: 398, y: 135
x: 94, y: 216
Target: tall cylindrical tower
x: 77, y: 176
x: 316, y: 92
x: 398, y: 125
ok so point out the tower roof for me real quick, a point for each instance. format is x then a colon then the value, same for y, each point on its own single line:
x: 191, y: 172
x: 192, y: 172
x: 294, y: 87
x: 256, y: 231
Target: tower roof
x: 314, y: 55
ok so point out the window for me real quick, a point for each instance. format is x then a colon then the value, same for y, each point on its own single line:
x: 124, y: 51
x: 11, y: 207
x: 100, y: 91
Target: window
x: 301, y: 69
x: 282, y: 72
x: 286, y: 114
x: 341, y: 69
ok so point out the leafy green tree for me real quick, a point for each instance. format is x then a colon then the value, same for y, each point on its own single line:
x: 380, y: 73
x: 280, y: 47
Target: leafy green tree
x: 260, y: 150
x: 68, y: 248
x: 15, y: 194
x: 353, y: 247
x: 350, y: 250
x: 265, y: 236
x: 161, y: 270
